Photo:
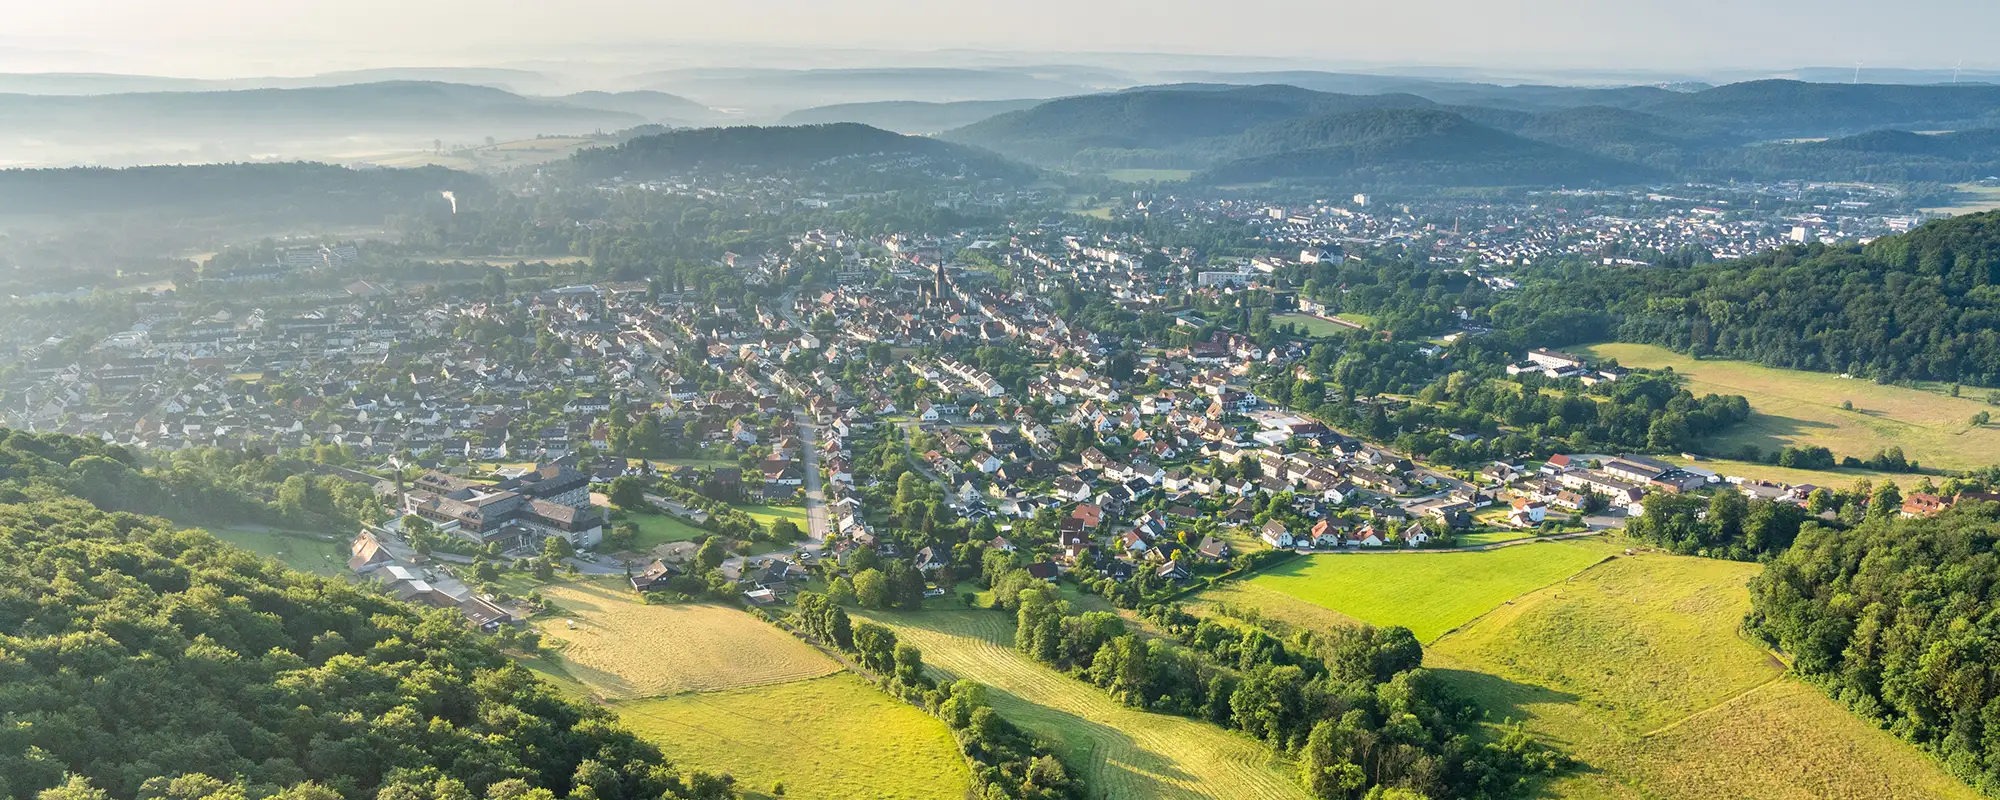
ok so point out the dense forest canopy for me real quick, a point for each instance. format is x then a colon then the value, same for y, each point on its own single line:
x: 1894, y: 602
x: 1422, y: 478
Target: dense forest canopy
x: 138, y: 660
x: 1895, y: 618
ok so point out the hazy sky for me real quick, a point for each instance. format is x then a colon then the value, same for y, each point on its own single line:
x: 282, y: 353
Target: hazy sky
x: 213, y: 37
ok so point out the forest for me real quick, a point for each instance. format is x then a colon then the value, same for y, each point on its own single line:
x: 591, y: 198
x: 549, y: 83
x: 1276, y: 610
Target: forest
x: 137, y: 660
x: 1894, y: 618
x: 1355, y: 709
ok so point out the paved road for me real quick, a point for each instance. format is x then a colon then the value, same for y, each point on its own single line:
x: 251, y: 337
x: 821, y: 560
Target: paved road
x: 818, y: 527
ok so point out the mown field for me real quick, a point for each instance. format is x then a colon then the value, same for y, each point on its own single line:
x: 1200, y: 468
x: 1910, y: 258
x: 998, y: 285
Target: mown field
x: 827, y: 738
x: 1317, y: 327
x: 1124, y: 752
x: 659, y: 529
x: 1637, y: 667
x: 623, y: 649
x: 1792, y: 407
x: 1429, y: 593
x: 1973, y: 198
x: 304, y: 552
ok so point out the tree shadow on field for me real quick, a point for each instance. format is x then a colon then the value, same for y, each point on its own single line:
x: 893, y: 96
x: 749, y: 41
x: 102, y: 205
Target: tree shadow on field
x: 1504, y: 701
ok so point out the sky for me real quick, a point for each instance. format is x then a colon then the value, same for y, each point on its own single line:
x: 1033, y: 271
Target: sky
x: 231, y: 38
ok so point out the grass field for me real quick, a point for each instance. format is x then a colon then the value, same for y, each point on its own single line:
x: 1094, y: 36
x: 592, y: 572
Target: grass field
x: 1123, y: 752
x: 1973, y: 199
x: 1637, y: 668
x: 1149, y: 175
x: 659, y: 529
x: 826, y: 738
x: 623, y: 649
x: 765, y: 515
x: 1792, y: 407
x: 1429, y: 593
x: 1316, y: 327
x: 1835, y: 478
x: 301, y: 551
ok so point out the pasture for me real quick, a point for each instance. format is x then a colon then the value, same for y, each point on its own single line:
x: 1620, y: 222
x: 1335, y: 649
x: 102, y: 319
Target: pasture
x: 826, y: 738
x: 623, y: 649
x: 1123, y: 752
x: 1793, y: 407
x: 1429, y: 593
x: 1636, y: 666
x: 305, y: 552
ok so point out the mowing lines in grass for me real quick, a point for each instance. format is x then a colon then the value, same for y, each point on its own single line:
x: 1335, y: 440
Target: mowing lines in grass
x: 1636, y: 667
x: 623, y: 649
x: 833, y: 737
x: 1123, y: 752
x: 1429, y: 593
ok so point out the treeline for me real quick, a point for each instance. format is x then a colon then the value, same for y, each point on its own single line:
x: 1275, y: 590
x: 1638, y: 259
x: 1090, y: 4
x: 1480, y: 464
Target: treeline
x: 1006, y: 763
x: 1920, y: 306
x: 1895, y: 618
x: 145, y: 661
x: 1356, y: 710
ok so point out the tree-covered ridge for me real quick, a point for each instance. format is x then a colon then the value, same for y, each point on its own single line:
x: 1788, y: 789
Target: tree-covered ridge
x: 289, y: 190
x: 1924, y: 305
x: 769, y: 148
x: 132, y: 654
x: 1896, y: 619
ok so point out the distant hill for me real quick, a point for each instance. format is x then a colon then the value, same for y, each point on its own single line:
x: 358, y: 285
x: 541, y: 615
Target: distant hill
x: 318, y: 192
x: 910, y: 117
x: 1519, y: 98
x: 779, y: 91
x: 1890, y: 156
x: 775, y: 148
x: 89, y: 83
x: 258, y: 124
x: 1409, y: 146
x: 656, y: 107
x: 1779, y: 108
x: 1159, y: 120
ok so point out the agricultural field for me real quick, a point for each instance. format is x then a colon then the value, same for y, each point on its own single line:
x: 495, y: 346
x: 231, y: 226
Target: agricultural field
x: 623, y: 649
x: 1638, y: 668
x: 1793, y: 407
x: 1124, y: 752
x: 1149, y: 175
x: 1973, y: 198
x: 498, y: 156
x: 827, y: 738
x: 305, y: 552
x: 1318, y: 327
x: 1429, y: 593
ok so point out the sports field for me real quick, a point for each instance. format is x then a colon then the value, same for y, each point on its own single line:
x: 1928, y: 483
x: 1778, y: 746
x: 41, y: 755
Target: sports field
x: 1429, y: 593
x: 1793, y: 407
x: 624, y: 649
x: 1123, y: 752
x: 827, y: 738
x: 1637, y: 668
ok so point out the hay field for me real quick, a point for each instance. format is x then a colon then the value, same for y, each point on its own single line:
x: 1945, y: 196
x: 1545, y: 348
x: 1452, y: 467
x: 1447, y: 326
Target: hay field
x: 827, y: 738
x: 1637, y: 668
x: 623, y: 649
x: 1123, y: 752
x: 1429, y: 593
x: 1793, y: 407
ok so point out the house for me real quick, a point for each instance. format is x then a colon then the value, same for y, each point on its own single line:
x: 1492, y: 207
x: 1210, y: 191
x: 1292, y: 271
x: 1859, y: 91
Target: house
x: 986, y: 462
x: 929, y: 559
x: 1213, y: 549
x: 1089, y: 514
x: 654, y: 578
x: 1043, y: 571
x: 1416, y: 535
x: 1173, y: 571
x: 1528, y: 513
x: 1275, y: 534
x: 1919, y: 504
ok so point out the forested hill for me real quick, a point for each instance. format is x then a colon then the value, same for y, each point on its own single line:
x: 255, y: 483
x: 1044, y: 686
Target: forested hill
x: 1409, y: 147
x: 137, y: 660
x: 776, y: 148
x: 1923, y: 305
x: 320, y: 191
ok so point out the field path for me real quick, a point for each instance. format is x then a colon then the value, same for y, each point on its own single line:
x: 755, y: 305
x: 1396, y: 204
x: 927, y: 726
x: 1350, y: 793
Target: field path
x: 1124, y: 752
